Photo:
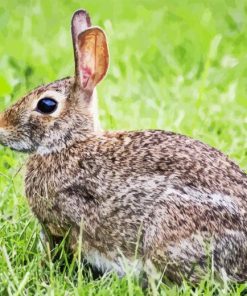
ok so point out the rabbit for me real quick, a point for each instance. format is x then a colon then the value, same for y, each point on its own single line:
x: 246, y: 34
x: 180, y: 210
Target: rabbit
x: 151, y: 201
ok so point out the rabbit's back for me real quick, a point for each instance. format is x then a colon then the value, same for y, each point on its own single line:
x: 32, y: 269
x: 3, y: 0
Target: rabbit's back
x: 182, y: 160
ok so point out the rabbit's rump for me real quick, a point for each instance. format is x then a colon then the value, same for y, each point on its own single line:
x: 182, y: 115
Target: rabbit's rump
x: 192, y: 233
x: 181, y: 231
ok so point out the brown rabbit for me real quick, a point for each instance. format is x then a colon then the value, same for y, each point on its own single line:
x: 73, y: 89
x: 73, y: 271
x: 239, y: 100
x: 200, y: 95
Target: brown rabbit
x: 152, y: 200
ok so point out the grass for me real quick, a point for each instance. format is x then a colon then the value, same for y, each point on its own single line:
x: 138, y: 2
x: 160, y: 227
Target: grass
x: 175, y: 65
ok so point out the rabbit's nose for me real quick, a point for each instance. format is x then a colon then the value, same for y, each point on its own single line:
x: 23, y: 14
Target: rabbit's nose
x: 1, y: 120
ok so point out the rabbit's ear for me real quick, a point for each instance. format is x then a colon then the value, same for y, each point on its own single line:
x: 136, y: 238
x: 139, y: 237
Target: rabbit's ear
x: 92, y: 59
x: 79, y: 23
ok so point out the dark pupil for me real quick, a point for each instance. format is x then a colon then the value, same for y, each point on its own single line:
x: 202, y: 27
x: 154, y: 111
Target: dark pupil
x: 46, y: 105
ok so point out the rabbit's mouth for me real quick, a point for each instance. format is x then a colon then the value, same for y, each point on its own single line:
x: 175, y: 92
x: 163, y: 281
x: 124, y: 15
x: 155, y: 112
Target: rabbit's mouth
x: 20, y: 145
x: 8, y: 139
x: 3, y: 133
x: 13, y: 137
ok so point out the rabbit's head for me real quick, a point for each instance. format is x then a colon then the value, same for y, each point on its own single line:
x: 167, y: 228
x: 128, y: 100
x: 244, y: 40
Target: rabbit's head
x: 55, y: 115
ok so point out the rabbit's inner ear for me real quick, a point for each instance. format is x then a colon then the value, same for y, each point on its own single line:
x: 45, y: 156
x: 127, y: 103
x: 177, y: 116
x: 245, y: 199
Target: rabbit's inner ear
x: 93, y: 58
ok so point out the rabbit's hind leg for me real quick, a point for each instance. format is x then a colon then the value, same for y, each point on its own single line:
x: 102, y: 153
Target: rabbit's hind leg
x: 230, y: 256
x: 196, y: 257
x: 53, y: 245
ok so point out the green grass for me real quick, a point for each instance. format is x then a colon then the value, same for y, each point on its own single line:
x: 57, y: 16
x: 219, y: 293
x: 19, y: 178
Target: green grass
x: 175, y: 65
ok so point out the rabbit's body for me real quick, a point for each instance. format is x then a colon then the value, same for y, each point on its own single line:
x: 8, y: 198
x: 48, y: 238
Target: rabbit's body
x: 163, y: 201
x: 161, y: 194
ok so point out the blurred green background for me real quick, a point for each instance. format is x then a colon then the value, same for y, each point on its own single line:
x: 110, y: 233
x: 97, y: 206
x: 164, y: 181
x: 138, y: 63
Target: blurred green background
x: 175, y: 65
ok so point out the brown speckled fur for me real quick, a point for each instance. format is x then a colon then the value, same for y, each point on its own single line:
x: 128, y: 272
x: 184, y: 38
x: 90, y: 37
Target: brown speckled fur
x: 171, y: 199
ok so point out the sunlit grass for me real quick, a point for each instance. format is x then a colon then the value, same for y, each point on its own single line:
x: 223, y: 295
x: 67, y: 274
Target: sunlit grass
x: 175, y: 65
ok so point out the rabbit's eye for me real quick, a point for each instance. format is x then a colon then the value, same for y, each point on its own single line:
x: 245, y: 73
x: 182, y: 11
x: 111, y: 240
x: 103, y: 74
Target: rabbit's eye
x: 46, y: 106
